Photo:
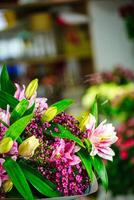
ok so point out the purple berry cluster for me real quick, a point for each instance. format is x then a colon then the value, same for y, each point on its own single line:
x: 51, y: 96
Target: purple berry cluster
x: 70, y: 179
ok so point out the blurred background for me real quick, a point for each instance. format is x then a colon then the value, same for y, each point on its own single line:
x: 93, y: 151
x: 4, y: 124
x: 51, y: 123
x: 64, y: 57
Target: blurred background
x: 78, y: 49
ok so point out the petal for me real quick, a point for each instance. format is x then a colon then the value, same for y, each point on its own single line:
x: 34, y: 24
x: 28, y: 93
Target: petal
x: 105, y: 156
x: 108, y: 142
x: 94, y: 151
x: 18, y: 90
x: 107, y: 151
x: 91, y: 123
x: 69, y: 147
x: 75, y: 160
x: 2, y: 161
x: 76, y: 148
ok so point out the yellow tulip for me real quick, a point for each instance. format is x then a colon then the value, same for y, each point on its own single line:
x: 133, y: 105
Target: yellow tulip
x: 7, y: 185
x: 49, y: 114
x: 28, y: 146
x: 6, y: 145
x: 31, y: 88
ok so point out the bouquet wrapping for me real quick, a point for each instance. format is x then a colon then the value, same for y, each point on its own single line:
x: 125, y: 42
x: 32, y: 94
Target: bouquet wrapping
x: 45, y: 152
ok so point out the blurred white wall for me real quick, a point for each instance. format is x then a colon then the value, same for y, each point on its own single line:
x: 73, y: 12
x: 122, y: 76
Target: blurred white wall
x: 111, y: 45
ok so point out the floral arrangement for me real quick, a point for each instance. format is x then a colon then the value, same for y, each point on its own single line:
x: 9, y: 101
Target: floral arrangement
x: 45, y: 152
x: 126, y: 11
x: 123, y: 167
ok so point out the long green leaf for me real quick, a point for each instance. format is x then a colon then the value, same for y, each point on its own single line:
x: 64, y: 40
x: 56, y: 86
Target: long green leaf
x: 38, y: 181
x: 30, y: 110
x: 100, y: 170
x: 85, y: 158
x: 62, y: 105
x: 19, y: 110
x: 7, y: 99
x: 17, y: 177
x: 18, y: 127
x: 6, y: 83
x: 63, y: 132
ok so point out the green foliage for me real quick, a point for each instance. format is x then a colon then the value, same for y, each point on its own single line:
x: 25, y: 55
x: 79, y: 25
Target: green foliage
x: 5, y: 82
x: 19, y: 110
x: 62, y: 105
x: 100, y: 169
x: 17, y: 177
x: 63, y: 132
x: 44, y: 186
x: 85, y: 158
x: 7, y: 99
x: 15, y: 130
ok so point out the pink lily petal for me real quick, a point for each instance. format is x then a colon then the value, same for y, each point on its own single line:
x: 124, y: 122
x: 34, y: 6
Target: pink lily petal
x: 58, y: 151
x: 101, y: 138
x: 91, y: 124
x: 105, y: 156
x: 75, y: 160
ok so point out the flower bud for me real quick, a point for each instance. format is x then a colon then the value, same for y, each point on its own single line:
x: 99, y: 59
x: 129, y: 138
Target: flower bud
x: 31, y: 88
x: 6, y: 145
x: 28, y: 146
x: 50, y: 113
x: 7, y: 185
x: 83, y: 120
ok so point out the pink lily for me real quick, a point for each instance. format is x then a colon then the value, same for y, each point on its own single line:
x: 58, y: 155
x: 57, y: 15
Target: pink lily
x: 101, y: 138
x: 20, y: 92
x: 66, y: 150
x: 40, y: 103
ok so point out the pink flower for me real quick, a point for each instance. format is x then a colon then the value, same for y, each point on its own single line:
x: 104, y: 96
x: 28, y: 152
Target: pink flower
x: 128, y: 144
x: 124, y: 155
x: 41, y: 105
x: 20, y: 92
x: 66, y: 150
x: 5, y: 115
x: 3, y: 175
x: 101, y: 138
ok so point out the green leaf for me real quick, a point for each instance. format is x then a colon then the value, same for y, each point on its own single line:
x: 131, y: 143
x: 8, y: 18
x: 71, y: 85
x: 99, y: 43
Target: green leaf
x: 6, y: 83
x: 94, y: 110
x: 88, y: 144
x: 18, y: 127
x: 17, y: 177
x: 85, y: 158
x: 55, y: 109
x: 7, y: 99
x: 100, y: 170
x: 63, y: 132
x: 39, y: 182
x: 62, y: 105
x: 19, y: 110
x: 30, y: 110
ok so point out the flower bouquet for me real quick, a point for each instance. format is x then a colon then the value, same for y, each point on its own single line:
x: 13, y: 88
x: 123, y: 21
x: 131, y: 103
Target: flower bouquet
x: 45, y: 152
